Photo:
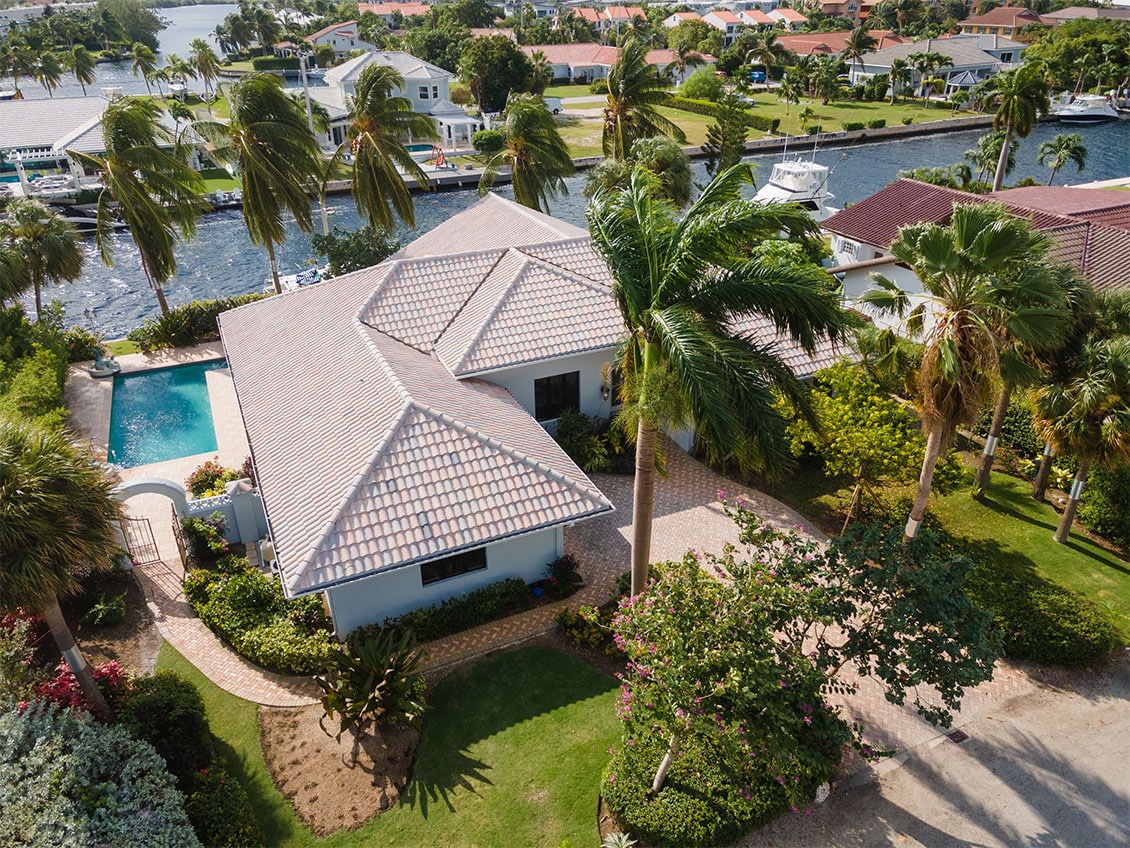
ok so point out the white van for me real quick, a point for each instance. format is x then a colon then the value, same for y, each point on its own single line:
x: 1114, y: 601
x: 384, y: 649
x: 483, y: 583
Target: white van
x: 553, y: 104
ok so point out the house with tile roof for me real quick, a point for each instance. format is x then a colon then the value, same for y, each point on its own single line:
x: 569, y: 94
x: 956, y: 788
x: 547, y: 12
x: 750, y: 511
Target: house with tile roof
x: 791, y: 18
x: 589, y: 61
x: 1005, y: 21
x: 342, y: 37
x: 1089, y: 228
x: 727, y: 22
x: 676, y: 18
x: 833, y: 43
x: 400, y: 444
x: 974, y: 58
x: 389, y: 11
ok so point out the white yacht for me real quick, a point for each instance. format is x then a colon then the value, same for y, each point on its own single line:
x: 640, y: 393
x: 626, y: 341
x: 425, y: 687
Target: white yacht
x: 1087, y: 109
x: 800, y: 181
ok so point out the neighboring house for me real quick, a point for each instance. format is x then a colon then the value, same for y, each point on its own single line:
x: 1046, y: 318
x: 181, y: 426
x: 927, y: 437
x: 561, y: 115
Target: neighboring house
x: 757, y: 18
x: 1074, y: 13
x: 490, y: 32
x: 833, y: 43
x: 1089, y: 228
x: 400, y: 445
x: 1006, y: 21
x: 676, y: 18
x: 387, y: 12
x: 840, y: 9
x: 791, y: 18
x: 427, y: 86
x: 974, y: 58
x: 591, y: 61
x: 542, y: 8
x: 727, y: 22
x: 342, y: 37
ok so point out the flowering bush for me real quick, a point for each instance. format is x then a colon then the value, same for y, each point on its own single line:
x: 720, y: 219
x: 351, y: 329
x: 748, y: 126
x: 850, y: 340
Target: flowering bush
x: 204, y: 539
x: 210, y: 478
x: 20, y: 669
x: 64, y: 689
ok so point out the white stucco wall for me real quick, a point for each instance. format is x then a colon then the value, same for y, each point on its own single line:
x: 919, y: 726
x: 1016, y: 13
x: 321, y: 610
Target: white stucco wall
x: 373, y: 599
x: 520, y: 381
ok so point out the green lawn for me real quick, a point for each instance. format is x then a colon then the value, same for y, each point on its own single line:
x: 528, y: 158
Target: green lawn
x: 122, y: 347
x: 832, y: 116
x: 568, y: 90
x: 218, y: 178
x: 511, y: 755
x: 1016, y: 529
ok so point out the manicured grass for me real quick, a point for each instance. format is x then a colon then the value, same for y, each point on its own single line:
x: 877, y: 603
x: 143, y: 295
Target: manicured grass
x: 832, y: 116
x: 1005, y: 521
x: 511, y: 755
x: 218, y: 179
x: 122, y: 347
x: 581, y: 135
x: 569, y: 90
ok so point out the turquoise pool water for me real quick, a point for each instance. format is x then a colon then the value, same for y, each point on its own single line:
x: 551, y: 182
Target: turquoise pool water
x: 161, y: 414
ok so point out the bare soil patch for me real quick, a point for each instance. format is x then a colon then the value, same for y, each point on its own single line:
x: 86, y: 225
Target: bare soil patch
x: 133, y: 643
x: 317, y: 775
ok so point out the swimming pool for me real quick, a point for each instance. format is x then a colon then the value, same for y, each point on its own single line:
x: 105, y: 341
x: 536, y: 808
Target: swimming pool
x: 421, y: 152
x: 161, y: 414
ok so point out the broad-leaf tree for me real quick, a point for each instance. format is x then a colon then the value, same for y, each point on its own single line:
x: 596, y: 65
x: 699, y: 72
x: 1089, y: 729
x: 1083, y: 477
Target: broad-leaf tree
x: 533, y: 151
x: 46, y: 244
x: 1021, y: 98
x: 635, y: 94
x: 147, y: 182
x: 680, y: 286
x: 971, y: 275
x: 382, y: 122
x: 57, y: 520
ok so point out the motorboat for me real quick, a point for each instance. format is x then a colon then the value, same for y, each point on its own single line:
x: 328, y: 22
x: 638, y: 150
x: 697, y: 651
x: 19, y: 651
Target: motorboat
x: 800, y: 181
x: 300, y: 280
x: 1087, y: 109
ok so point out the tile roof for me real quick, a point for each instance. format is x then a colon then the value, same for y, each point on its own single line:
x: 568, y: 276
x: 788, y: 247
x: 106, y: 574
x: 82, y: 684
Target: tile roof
x: 1094, y: 204
x: 326, y: 30
x: 589, y: 14
x: 406, y: 9
x: 790, y: 15
x: 1107, y: 264
x: 756, y: 16
x: 724, y: 16
x: 876, y: 219
x: 407, y: 65
x: 806, y: 43
x: 1003, y: 16
x: 964, y: 53
x: 685, y: 16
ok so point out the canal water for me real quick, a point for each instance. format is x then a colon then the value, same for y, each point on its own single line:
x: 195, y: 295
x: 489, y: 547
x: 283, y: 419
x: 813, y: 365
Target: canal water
x: 222, y: 261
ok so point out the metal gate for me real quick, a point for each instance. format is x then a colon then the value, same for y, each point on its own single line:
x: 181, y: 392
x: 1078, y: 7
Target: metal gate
x: 139, y: 541
x: 178, y: 534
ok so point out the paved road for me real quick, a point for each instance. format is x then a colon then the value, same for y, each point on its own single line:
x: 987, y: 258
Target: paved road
x: 1051, y: 767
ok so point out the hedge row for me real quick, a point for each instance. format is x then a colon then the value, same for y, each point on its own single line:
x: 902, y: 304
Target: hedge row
x: 189, y: 324
x: 275, y: 63
x: 705, y: 107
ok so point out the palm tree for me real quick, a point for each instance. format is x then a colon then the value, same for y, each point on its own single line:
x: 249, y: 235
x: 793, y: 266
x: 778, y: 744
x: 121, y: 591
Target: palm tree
x: 206, y: 62
x: 533, y: 150
x: 266, y: 28
x: 49, y: 71
x: 277, y: 158
x: 685, y: 57
x: 541, y: 74
x: 1088, y: 415
x: 82, y: 66
x: 927, y: 64
x: 971, y: 274
x: 762, y: 48
x: 382, y: 122
x: 859, y: 43
x: 46, y: 242
x: 988, y: 151
x: 160, y: 75
x: 1061, y: 150
x: 900, y: 77
x: 679, y: 284
x: 157, y: 194
x: 222, y: 36
x: 179, y: 69
x: 1021, y: 97
x: 144, y: 63
x: 56, y: 517
x: 826, y: 78
x: 634, y: 95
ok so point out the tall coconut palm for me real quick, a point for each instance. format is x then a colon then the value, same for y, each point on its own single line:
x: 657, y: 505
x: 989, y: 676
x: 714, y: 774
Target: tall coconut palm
x: 82, y: 66
x: 267, y: 30
x: 1021, y: 97
x: 179, y: 69
x: 900, y: 77
x: 679, y: 285
x: 382, y: 122
x: 541, y: 74
x: 859, y: 43
x: 56, y: 519
x: 155, y: 191
x: 927, y: 64
x: 533, y: 150
x: 970, y: 272
x: 46, y: 242
x: 1088, y: 416
x: 277, y: 158
x: 759, y: 47
x: 1062, y: 149
x: 49, y: 71
x: 1070, y: 296
x: 144, y: 63
x: 12, y: 274
x: 206, y: 62
x: 686, y: 57
x: 634, y: 94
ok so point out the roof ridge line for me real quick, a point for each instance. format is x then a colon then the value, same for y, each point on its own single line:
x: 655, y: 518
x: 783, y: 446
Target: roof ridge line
x: 467, y: 299
x: 506, y: 292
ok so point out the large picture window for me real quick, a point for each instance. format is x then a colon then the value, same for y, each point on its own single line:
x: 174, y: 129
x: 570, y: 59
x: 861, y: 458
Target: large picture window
x: 553, y: 395
x: 453, y: 566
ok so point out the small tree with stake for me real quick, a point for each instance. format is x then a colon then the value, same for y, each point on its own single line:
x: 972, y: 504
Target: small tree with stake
x: 373, y: 681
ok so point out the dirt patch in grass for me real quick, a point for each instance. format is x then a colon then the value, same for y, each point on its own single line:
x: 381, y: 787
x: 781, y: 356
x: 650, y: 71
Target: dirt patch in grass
x: 133, y: 643
x: 318, y: 775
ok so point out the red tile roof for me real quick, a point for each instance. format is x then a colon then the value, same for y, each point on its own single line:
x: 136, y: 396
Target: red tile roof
x: 807, y: 43
x: 1015, y: 16
x: 876, y: 220
x: 723, y: 15
x: 1108, y: 259
x: 791, y: 15
x: 1095, y: 204
x: 756, y: 16
x: 593, y: 16
x: 328, y: 29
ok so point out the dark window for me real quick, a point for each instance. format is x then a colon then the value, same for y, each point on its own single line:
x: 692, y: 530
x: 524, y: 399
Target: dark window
x: 553, y: 395
x: 453, y: 566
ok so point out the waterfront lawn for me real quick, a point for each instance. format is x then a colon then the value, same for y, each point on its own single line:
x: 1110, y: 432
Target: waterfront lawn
x: 1006, y: 519
x: 833, y: 116
x: 511, y: 754
x: 218, y: 179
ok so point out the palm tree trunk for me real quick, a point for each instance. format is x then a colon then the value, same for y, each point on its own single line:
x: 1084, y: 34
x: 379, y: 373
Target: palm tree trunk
x: 153, y: 284
x: 668, y: 758
x: 1064, y: 529
x: 274, y: 266
x: 1040, y: 484
x: 643, y: 502
x: 1052, y: 177
x: 38, y: 298
x: 925, y: 481
x: 73, y: 655
x: 984, y: 473
x: 1002, y: 161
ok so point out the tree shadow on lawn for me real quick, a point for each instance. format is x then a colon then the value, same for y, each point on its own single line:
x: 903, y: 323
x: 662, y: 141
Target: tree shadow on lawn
x: 481, y: 700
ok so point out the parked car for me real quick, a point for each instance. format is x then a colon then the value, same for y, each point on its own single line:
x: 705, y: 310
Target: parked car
x: 757, y: 76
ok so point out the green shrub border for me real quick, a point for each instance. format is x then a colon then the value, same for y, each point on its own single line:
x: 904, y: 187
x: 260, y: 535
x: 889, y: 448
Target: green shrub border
x: 705, y: 107
x: 188, y: 324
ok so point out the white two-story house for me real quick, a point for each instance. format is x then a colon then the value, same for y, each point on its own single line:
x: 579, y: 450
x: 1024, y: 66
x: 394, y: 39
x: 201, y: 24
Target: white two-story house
x: 342, y: 37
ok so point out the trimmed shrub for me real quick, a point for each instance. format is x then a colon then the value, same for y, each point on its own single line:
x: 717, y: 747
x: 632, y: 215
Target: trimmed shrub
x: 189, y: 324
x: 488, y: 141
x: 1104, y: 507
x: 461, y: 95
x: 906, y: 122
x: 275, y: 63
x: 283, y: 646
x: 815, y: 130
x: 703, y: 84
x: 220, y: 811
x: 166, y: 711
x: 76, y: 782
x: 597, y: 86
x: 853, y: 126
x: 705, y: 107
x: 876, y: 123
